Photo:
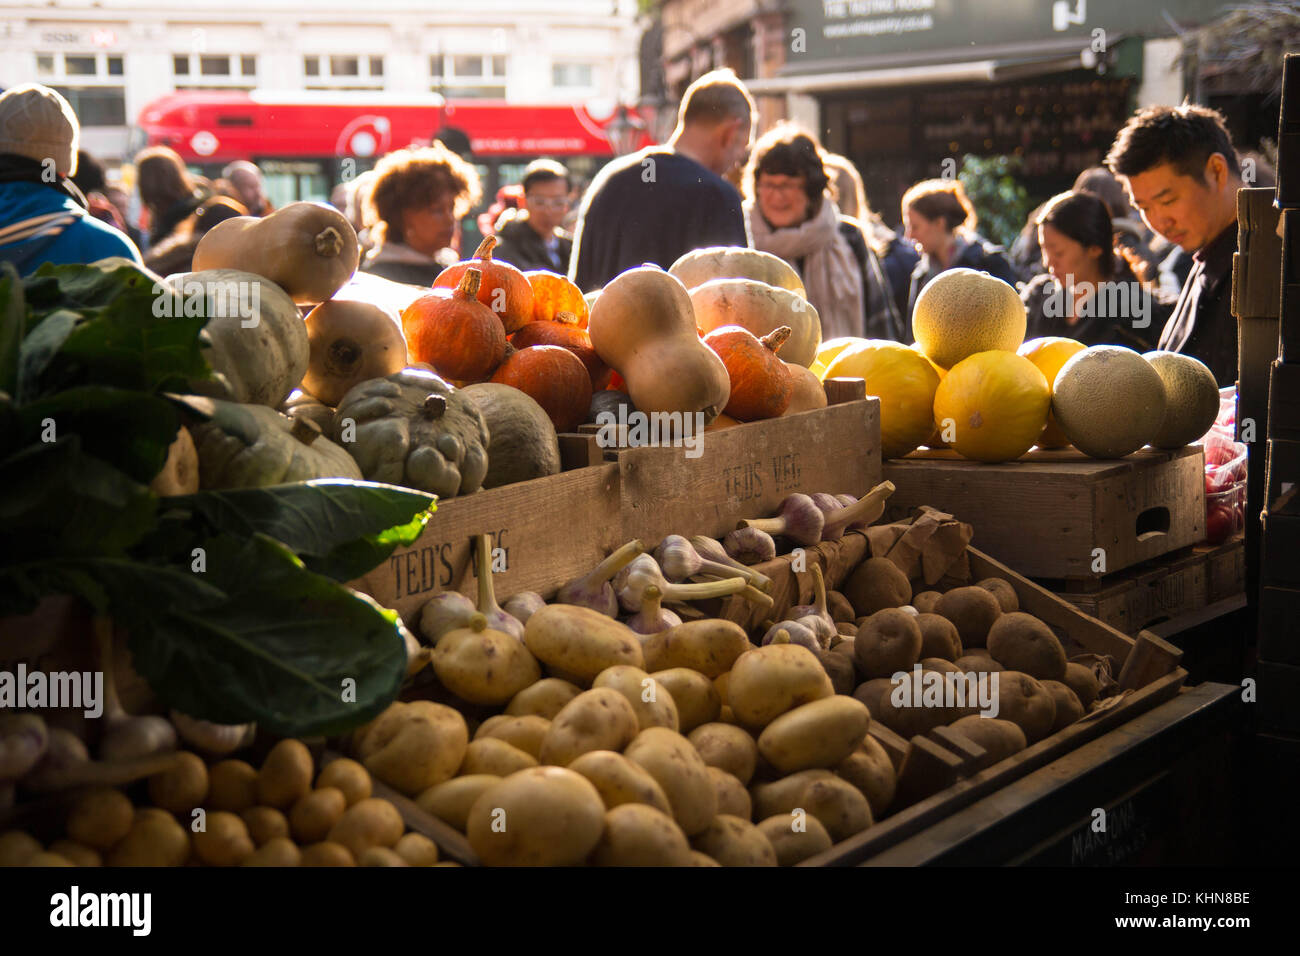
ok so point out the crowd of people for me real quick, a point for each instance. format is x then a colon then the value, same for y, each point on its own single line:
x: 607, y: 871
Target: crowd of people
x: 1138, y: 252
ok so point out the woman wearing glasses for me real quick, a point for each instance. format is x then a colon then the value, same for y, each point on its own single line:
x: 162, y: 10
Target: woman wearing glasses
x: 415, y: 204
x: 792, y: 214
x: 532, y: 238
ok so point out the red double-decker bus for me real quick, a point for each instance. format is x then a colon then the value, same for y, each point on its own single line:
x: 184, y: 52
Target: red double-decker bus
x: 305, y: 142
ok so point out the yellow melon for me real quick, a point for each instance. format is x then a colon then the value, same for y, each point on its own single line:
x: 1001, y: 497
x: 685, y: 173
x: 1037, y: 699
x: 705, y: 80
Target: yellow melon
x: 827, y: 351
x: 1191, y: 398
x: 962, y: 312
x: 1048, y: 355
x: 992, y: 405
x: 1109, y: 401
x: 905, y: 383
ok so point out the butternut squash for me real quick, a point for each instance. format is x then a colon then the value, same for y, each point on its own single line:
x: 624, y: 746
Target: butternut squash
x: 736, y: 262
x: 350, y: 343
x: 308, y: 249
x: 761, y: 308
x: 643, y: 326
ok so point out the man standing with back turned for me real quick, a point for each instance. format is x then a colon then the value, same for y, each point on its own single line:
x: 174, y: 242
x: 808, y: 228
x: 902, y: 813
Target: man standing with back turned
x: 1179, y: 167
x: 659, y: 203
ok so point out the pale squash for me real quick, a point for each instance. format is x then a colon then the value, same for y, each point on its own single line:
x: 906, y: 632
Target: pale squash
x: 258, y: 363
x: 308, y: 249
x: 300, y: 404
x: 522, y: 441
x: 350, y: 342
x: 736, y: 262
x: 761, y: 308
x: 808, y: 393
x: 414, y: 429
x: 251, y: 446
x: 643, y: 326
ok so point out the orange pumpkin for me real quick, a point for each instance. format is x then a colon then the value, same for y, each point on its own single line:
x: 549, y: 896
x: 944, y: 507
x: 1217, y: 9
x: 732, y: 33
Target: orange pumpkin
x: 761, y: 385
x: 450, y: 330
x: 503, y: 288
x: 566, y: 333
x: 553, y: 377
x: 554, y: 294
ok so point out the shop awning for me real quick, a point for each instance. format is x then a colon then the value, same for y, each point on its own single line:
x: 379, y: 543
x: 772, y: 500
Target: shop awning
x: 975, y: 71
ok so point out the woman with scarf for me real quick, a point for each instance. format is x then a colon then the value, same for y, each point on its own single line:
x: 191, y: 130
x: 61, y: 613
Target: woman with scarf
x: 792, y: 214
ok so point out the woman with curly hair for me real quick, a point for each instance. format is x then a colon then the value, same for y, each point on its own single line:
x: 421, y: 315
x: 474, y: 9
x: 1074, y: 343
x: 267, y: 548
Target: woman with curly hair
x: 791, y: 212
x: 416, y: 201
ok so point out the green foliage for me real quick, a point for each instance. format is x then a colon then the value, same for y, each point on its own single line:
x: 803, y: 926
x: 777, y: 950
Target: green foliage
x: 1000, y: 201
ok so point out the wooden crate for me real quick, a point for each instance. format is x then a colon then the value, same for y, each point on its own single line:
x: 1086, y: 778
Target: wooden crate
x: 1047, y: 514
x: 1160, y: 590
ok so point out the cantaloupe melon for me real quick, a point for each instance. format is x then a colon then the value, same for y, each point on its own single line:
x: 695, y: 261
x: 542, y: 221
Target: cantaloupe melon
x: 1048, y: 354
x: 997, y: 403
x: 905, y: 384
x: 1191, y: 398
x: 962, y: 312
x: 1109, y: 401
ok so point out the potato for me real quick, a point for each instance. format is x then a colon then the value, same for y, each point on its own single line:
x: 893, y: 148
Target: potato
x: 875, y: 693
x: 495, y: 757
x: 285, y: 776
x: 939, y: 665
x: 265, y: 824
x: 370, y: 822
x: 888, y: 641
x: 224, y: 840
x: 732, y: 797
x: 1026, y: 703
x: 870, y: 770
x: 818, y: 734
x: 581, y: 642
x: 681, y: 771
x: 768, y: 681
x: 380, y: 856
x: 795, y: 839
x: 232, y: 785
x: 314, y: 814
x: 619, y: 781
x: 839, y: 805
x: 348, y: 776
x: 326, y: 854
x: 279, y: 851
x: 425, y: 747
x: 902, y: 705
x: 1003, y: 591
x: 1068, y: 708
x: 727, y: 716
x: 840, y: 668
x: 726, y: 747
x: 784, y: 795
x: 451, y: 800
x: 876, y: 584
x: 482, y: 665
x: 938, y: 637
x: 723, y: 684
x: 542, y: 816
x: 525, y: 732
x: 416, y: 849
x: 16, y: 847
x: 46, y: 858
x: 78, y: 854
x: 654, y: 705
x: 693, y: 694
x: 972, y: 663
x: 925, y: 601
x: 1001, y: 738
x: 972, y: 611
x: 839, y: 607
x: 710, y: 646
x: 733, y: 841
x: 545, y: 699
x: 100, y: 817
x: 598, y: 719
x: 154, y: 840
x: 183, y: 787
x: 701, y: 859
x: 637, y: 835
x: 1083, y: 682
x: 1021, y: 642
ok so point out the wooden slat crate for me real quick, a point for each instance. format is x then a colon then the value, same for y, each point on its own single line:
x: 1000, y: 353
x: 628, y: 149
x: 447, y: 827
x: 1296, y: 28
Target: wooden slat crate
x: 1047, y: 514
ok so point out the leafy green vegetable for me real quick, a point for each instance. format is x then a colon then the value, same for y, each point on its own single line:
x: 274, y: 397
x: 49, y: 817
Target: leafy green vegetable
x: 13, y: 325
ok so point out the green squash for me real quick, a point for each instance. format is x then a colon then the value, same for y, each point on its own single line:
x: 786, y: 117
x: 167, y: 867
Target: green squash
x: 250, y: 446
x: 414, y: 429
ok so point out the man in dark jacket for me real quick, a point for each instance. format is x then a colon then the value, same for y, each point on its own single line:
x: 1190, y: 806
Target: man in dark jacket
x: 1180, y: 168
x: 660, y: 203
x: 532, y: 238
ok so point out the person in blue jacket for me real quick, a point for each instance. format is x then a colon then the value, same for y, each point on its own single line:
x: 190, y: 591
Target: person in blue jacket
x: 43, y: 215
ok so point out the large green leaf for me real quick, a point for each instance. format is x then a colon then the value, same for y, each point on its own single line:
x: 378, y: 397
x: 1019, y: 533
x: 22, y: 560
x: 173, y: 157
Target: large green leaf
x: 293, y: 650
x: 38, y: 350
x: 13, y: 325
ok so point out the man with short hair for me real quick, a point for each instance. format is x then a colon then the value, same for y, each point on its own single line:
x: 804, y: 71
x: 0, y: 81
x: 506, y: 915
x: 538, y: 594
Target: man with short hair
x: 531, y: 238
x: 246, y: 181
x: 1180, y: 169
x: 660, y: 203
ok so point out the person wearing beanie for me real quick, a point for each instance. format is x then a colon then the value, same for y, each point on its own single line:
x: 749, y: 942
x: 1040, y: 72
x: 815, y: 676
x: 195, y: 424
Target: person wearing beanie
x: 43, y: 215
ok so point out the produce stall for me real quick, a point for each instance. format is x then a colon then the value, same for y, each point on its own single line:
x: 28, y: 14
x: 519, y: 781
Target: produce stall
x: 494, y: 573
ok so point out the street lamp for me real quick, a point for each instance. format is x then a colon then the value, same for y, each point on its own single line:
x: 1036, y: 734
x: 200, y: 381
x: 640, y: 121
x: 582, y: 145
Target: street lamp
x: 623, y: 131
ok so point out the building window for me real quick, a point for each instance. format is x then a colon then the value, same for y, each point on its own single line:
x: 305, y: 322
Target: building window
x: 499, y: 65
x: 571, y: 75
x: 436, y: 66
x: 114, y: 66
x: 464, y: 74
x: 467, y: 65
x: 344, y: 66
x: 79, y: 65
x: 214, y: 65
x: 45, y: 64
x: 180, y: 65
x: 248, y: 65
x: 311, y: 66
x: 344, y: 71
x: 97, y: 105
x: 376, y: 66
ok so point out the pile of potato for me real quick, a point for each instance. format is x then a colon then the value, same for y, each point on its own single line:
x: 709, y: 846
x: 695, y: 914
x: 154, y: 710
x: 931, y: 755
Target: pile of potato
x: 231, y: 813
